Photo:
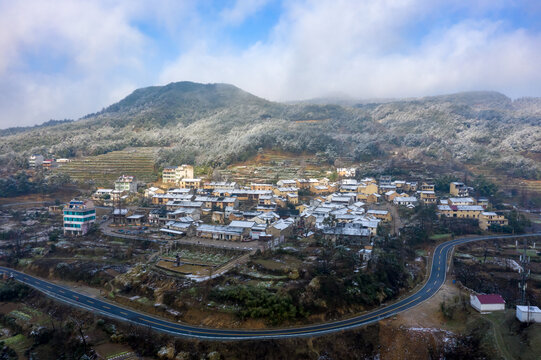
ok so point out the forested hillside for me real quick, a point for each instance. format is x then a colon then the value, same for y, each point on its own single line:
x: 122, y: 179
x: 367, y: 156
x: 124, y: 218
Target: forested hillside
x: 217, y: 124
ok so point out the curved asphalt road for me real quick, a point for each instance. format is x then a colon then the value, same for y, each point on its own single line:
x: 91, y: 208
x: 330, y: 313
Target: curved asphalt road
x: 435, y: 281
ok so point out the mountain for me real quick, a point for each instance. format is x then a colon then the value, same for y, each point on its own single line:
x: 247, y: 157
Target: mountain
x: 218, y: 124
x: 181, y: 102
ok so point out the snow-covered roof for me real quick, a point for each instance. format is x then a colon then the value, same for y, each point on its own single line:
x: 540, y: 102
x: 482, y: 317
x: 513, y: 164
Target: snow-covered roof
x: 242, y: 224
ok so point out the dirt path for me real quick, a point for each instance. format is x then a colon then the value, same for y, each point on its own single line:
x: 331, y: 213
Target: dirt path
x: 500, y: 344
x: 428, y: 314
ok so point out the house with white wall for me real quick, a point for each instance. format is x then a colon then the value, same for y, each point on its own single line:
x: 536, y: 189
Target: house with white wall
x: 487, y: 303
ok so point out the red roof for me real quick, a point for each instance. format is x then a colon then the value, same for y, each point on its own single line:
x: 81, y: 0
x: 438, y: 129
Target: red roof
x: 490, y: 299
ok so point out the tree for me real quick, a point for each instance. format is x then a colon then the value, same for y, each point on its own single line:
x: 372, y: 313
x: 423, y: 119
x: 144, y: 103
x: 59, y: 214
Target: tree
x: 484, y: 187
x: 333, y: 176
x: 517, y: 222
x: 442, y: 183
x: 79, y: 324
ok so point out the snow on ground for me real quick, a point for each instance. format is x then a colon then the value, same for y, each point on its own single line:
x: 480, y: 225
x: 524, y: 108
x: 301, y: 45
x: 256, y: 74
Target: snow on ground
x: 447, y: 336
x: 508, y: 263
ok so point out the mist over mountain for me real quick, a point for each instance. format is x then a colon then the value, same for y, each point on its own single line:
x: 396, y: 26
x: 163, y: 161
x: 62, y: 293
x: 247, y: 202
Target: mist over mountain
x: 218, y: 124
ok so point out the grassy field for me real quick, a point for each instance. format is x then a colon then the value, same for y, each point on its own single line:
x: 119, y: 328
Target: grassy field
x: 203, y: 258
x: 19, y: 343
x: 105, y: 169
x: 184, y: 269
x: 440, y: 237
x: 285, y: 264
x: 526, y: 343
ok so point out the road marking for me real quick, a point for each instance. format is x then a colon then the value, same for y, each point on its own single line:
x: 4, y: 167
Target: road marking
x: 107, y: 307
x: 49, y: 286
x: 90, y: 301
x: 62, y: 291
x: 355, y: 321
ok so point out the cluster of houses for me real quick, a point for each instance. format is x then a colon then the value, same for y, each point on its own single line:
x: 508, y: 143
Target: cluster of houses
x: 37, y: 161
x: 340, y: 210
x: 124, y: 186
x: 260, y: 211
x: 462, y: 206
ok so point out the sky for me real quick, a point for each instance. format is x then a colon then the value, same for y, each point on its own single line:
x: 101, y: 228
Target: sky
x: 64, y: 59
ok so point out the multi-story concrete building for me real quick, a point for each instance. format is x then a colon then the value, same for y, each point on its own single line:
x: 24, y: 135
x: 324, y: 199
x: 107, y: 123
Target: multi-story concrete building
x: 79, y: 215
x: 428, y: 196
x: 256, y: 186
x: 346, y: 172
x: 189, y: 183
x: 174, y: 174
x: 35, y: 161
x: 220, y: 185
x: 427, y: 187
x: 126, y: 183
x: 461, y: 201
x: 487, y: 218
x: 460, y: 211
x: 458, y: 189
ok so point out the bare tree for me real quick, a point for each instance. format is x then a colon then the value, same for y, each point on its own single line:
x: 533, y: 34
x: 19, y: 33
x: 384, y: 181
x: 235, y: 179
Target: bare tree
x: 80, y: 323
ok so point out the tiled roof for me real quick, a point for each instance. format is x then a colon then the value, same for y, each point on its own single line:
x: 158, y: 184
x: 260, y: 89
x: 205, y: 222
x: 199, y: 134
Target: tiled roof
x: 490, y: 299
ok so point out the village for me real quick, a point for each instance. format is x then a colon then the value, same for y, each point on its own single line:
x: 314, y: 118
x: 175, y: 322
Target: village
x: 250, y: 217
x: 181, y: 209
x: 345, y: 210
x: 187, y: 246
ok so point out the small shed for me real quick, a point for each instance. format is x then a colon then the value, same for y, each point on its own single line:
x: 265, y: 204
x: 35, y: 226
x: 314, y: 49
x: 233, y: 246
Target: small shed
x: 487, y: 303
x: 136, y: 219
x: 527, y: 314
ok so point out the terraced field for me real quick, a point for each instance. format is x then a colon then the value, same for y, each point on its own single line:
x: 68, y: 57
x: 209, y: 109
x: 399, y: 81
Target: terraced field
x: 509, y: 183
x: 105, y: 169
x: 272, y: 165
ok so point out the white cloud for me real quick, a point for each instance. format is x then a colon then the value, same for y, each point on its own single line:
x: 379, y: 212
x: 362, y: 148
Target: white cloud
x: 86, y: 55
x: 358, y: 48
x: 241, y: 10
x: 92, y: 42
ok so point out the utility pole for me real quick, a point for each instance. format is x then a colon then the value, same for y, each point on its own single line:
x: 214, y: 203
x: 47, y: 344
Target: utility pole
x: 524, y: 261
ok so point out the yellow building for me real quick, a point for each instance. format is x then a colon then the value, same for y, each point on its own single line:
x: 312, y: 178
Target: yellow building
x: 380, y: 214
x: 322, y: 189
x: 460, y: 211
x: 191, y: 183
x: 173, y: 174
x: 427, y: 187
x: 458, y: 189
x: 283, y: 191
x: 303, y: 183
x: 255, y: 186
x: 293, y: 198
x: 368, y: 198
x: 219, y: 185
x: 368, y: 188
x: 428, y: 196
x: 486, y: 219
x: 390, y: 195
